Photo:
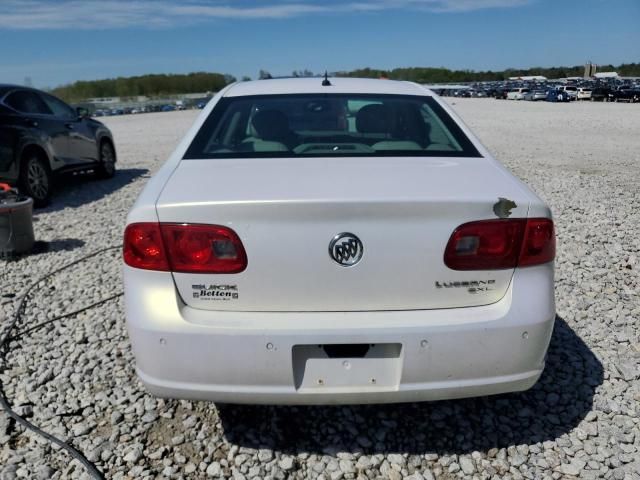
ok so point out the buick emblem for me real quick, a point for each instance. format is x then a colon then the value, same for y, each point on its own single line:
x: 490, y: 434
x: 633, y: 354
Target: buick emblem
x: 346, y: 249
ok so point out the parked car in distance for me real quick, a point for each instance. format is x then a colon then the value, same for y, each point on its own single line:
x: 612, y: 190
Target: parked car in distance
x: 570, y: 90
x: 601, y: 94
x: 557, y: 95
x: 535, y: 95
x: 626, y: 93
x: 517, y: 94
x: 583, y: 93
x: 42, y: 137
x: 167, y: 108
x: 500, y: 93
x: 254, y: 273
x: 462, y: 93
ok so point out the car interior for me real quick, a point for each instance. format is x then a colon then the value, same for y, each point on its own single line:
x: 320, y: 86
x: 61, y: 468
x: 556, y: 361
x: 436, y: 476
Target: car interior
x: 329, y: 125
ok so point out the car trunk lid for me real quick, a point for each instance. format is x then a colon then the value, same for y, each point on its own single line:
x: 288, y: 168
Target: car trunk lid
x: 287, y: 211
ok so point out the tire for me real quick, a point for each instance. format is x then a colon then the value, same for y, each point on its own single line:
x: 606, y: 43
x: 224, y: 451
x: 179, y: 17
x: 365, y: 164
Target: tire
x: 36, y: 180
x: 107, y: 167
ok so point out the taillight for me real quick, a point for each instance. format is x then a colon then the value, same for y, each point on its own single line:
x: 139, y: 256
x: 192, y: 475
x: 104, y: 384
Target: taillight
x: 186, y: 248
x: 501, y: 244
x: 539, y: 244
x: 143, y: 247
x: 203, y: 248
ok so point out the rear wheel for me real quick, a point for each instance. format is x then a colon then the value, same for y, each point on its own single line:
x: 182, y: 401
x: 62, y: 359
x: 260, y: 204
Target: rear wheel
x: 36, y: 180
x: 107, y: 166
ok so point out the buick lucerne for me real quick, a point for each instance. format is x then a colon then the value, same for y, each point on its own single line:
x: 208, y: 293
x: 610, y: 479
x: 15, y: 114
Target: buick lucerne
x: 336, y: 241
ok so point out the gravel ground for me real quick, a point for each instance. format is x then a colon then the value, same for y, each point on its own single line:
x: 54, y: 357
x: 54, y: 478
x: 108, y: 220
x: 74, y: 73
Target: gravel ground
x: 75, y: 378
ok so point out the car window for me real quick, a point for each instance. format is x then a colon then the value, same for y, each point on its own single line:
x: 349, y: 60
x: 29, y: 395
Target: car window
x: 59, y: 108
x: 308, y: 125
x: 27, y: 102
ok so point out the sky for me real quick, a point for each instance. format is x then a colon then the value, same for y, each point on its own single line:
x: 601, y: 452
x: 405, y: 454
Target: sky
x: 54, y: 42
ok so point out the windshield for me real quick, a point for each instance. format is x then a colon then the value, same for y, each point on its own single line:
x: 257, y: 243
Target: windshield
x: 307, y: 125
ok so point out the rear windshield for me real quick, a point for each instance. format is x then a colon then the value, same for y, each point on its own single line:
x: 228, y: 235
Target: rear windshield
x: 309, y: 125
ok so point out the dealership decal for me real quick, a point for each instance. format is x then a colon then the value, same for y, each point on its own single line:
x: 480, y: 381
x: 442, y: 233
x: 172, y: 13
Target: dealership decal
x: 216, y: 293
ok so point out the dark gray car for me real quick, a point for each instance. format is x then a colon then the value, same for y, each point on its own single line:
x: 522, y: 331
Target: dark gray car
x: 41, y: 137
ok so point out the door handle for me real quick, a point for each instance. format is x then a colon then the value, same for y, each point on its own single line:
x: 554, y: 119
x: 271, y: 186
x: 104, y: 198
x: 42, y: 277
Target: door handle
x: 31, y: 122
x: 69, y: 126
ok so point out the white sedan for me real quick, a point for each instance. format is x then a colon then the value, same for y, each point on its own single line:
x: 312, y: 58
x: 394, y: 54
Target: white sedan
x: 518, y: 94
x: 584, y: 94
x: 336, y: 241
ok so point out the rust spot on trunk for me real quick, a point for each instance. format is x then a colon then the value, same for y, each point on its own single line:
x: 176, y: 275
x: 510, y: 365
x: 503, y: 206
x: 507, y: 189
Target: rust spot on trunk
x: 503, y: 207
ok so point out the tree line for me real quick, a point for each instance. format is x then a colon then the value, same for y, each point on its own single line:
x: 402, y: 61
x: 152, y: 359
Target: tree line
x: 444, y: 75
x: 147, y: 85
x: 201, y: 82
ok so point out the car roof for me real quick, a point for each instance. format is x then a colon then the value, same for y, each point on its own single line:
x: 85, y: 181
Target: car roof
x: 314, y: 85
x: 7, y: 87
x: 4, y: 88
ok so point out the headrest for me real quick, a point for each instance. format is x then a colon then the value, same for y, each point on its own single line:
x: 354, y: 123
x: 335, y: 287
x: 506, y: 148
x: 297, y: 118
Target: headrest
x: 374, y: 118
x: 271, y: 124
x: 411, y: 126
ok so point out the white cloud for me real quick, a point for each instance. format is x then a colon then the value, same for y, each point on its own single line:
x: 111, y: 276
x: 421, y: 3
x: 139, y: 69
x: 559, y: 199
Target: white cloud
x: 109, y: 14
x: 468, y: 5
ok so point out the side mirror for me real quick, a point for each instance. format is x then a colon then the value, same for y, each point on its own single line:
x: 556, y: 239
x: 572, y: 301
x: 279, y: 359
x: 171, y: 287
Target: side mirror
x: 82, y: 112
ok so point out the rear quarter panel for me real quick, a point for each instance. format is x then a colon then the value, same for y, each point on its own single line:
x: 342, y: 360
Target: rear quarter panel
x: 144, y: 209
x: 14, y: 139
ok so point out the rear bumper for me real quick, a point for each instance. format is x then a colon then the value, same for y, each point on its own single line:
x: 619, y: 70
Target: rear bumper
x: 249, y: 357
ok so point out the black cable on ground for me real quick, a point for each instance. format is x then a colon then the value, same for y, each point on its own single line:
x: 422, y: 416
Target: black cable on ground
x: 22, y: 333
x: 6, y: 337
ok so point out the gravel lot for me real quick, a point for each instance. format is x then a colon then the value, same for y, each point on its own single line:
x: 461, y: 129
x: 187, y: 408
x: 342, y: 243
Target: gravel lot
x: 75, y: 378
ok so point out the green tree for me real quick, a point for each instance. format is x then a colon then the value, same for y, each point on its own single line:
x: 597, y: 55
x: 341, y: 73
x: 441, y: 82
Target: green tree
x: 147, y: 85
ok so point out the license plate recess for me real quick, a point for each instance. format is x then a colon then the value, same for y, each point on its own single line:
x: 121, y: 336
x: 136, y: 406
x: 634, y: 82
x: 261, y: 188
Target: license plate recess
x: 347, y: 367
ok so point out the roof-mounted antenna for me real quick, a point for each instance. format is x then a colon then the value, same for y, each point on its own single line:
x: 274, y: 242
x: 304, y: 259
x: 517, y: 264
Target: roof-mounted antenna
x: 326, y: 82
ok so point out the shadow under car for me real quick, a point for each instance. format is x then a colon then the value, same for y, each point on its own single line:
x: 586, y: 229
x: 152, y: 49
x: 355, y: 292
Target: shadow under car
x: 553, y: 407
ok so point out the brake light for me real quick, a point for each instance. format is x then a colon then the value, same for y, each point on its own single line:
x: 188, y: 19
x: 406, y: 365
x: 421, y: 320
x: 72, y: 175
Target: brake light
x: 539, y: 244
x: 184, y: 248
x: 143, y: 247
x: 203, y: 248
x: 501, y: 244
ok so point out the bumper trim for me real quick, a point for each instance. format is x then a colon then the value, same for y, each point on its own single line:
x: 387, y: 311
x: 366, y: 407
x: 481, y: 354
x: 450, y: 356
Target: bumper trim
x: 286, y: 395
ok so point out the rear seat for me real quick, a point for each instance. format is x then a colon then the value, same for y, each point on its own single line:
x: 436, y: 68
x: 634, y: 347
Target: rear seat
x: 270, y: 133
x: 375, y: 121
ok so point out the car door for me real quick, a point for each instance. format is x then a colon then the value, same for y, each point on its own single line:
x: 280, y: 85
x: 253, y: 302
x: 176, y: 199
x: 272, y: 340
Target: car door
x: 9, y: 135
x: 40, y: 126
x: 82, y: 145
